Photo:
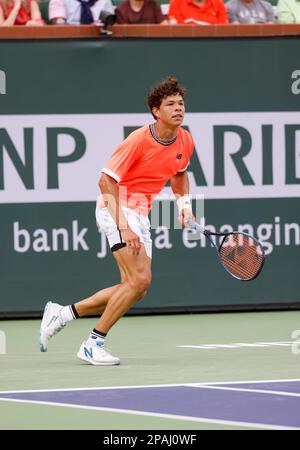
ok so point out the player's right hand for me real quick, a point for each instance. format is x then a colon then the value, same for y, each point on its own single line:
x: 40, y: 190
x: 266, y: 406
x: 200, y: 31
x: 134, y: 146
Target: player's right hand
x: 184, y: 217
x: 132, y: 241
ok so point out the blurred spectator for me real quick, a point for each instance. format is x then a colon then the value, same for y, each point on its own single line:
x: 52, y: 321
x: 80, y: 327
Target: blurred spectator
x: 288, y: 11
x: 202, y: 12
x: 20, y: 12
x: 75, y: 12
x: 250, y: 11
x: 139, y: 11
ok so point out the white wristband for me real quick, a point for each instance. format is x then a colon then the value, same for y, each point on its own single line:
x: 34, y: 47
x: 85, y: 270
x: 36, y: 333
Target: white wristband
x: 184, y: 202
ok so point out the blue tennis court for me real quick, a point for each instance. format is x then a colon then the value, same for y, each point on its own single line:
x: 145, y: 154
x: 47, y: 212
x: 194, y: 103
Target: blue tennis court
x: 268, y: 405
x: 225, y: 371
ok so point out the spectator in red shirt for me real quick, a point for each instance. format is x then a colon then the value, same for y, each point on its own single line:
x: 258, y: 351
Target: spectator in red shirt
x: 20, y: 12
x: 201, y: 12
x: 139, y: 11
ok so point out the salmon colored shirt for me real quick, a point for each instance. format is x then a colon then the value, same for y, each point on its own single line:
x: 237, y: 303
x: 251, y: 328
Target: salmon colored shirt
x: 142, y: 165
x: 187, y: 11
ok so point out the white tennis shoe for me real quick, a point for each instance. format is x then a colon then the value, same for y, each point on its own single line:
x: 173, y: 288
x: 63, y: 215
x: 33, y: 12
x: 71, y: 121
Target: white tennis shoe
x: 51, y: 324
x: 96, y: 355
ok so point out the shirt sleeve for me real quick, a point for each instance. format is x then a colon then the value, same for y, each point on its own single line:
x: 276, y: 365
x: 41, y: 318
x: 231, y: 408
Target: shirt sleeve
x: 221, y: 17
x: 231, y: 12
x: 109, y: 6
x: 126, y: 154
x: 56, y: 9
x: 270, y: 13
x: 284, y: 12
x: 174, y: 11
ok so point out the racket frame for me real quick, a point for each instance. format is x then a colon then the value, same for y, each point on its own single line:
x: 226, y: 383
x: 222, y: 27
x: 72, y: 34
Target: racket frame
x: 194, y: 225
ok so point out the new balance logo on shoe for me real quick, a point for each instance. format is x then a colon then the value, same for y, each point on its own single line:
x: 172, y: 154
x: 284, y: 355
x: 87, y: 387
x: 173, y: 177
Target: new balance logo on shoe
x: 88, y: 352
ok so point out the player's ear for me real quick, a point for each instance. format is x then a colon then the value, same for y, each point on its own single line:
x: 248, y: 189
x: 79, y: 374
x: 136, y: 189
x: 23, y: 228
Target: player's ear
x: 155, y: 111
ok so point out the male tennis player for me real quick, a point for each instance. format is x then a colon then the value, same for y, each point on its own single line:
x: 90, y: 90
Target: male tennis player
x: 136, y: 172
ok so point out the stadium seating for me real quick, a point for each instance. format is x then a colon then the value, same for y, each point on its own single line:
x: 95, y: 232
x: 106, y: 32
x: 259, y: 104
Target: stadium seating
x: 161, y: 2
x: 164, y: 5
x: 44, y: 7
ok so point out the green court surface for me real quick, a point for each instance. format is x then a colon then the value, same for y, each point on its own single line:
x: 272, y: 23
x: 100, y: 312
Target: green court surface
x: 150, y: 352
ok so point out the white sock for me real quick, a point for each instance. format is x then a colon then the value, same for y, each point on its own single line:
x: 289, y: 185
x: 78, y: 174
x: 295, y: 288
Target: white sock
x: 67, y: 314
x: 96, y: 338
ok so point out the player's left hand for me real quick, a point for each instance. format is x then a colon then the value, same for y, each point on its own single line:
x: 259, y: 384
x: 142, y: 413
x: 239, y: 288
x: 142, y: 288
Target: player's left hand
x: 185, y: 215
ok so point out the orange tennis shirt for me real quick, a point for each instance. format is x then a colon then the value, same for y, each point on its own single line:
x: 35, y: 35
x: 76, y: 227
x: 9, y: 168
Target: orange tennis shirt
x: 142, y: 164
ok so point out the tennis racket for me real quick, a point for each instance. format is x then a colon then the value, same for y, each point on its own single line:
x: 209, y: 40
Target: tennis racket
x: 241, y: 254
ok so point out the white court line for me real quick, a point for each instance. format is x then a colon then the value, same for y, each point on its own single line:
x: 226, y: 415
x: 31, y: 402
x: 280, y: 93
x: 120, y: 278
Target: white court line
x: 259, y: 391
x: 160, y: 415
x: 239, y: 345
x: 166, y: 416
x: 206, y: 383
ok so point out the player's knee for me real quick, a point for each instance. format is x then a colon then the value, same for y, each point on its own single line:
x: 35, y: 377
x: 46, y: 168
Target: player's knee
x: 124, y: 279
x: 143, y: 295
x: 141, y: 283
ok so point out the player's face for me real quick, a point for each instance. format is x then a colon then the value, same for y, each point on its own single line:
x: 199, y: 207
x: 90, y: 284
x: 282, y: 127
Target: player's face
x: 171, y: 111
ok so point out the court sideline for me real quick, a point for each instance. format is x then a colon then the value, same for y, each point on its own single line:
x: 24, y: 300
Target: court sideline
x: 173, y: 354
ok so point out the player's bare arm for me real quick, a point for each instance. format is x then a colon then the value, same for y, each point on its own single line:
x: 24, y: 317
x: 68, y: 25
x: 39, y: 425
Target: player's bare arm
x: 110, y: 192
x: 181, y: 188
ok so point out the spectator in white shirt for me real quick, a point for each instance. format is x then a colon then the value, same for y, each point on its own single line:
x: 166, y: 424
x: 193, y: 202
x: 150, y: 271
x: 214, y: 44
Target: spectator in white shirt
x: 75, y: 12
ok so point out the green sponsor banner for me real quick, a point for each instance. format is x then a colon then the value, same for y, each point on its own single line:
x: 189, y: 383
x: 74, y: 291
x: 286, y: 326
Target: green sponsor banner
x: 54, y: 251
x: 113, y: 76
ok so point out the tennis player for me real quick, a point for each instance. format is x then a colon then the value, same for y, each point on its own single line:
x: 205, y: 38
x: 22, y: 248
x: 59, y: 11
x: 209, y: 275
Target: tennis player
x: 136, y: 172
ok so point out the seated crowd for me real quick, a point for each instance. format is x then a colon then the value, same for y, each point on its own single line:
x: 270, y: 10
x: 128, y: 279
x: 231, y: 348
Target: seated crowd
x: 199, y: 12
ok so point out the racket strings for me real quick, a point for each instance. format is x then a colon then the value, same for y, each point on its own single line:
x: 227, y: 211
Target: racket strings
x: 241, y: 255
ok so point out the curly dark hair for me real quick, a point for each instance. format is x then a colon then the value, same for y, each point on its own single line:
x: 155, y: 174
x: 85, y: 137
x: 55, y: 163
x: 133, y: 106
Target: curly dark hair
x: 169, y: 86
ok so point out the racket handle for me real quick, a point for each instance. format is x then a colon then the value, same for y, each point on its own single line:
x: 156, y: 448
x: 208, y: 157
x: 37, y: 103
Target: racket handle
x: 195, y: 226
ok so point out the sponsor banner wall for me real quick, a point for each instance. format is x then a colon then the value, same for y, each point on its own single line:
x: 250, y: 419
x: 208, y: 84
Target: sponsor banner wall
x: 54, y: 251
x: 245, y: 155
x: 55, y: 140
